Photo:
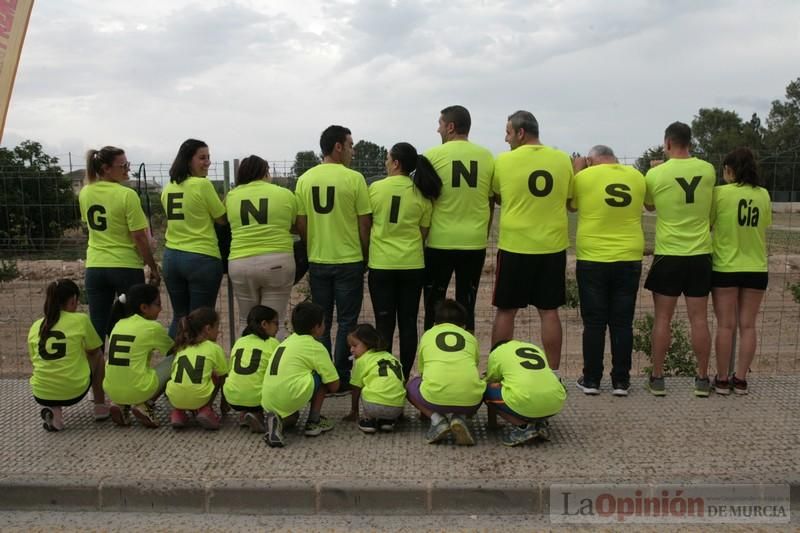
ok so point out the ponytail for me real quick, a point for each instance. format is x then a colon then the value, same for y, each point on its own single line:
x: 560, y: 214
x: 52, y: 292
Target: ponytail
x: 57, y: 295
x: 743, y: 164
x: 422, y: 173
x: 191, y: 326
x: 130, y: 303
x: 95, y: 159
x: 255, y: 317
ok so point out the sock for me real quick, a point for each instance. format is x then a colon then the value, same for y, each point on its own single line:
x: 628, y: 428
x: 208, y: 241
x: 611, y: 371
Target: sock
x: 313, y: 417
x: 436, y: 418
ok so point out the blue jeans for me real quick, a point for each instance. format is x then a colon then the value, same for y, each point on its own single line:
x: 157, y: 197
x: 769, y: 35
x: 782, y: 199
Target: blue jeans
x: 103, y: 285
x: 343, y: 286
x: 192, y: 281
x: 608, y: 298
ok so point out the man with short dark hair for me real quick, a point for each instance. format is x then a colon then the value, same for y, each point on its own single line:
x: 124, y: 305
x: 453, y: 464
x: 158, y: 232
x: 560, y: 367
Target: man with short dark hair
x: 681, y: 192
x: 461, y: 215
x: 532, y: 183
x: 333, y: 217
x: 609, y: 244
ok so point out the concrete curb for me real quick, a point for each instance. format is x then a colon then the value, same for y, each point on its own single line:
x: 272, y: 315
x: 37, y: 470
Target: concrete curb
x: 284, y: 497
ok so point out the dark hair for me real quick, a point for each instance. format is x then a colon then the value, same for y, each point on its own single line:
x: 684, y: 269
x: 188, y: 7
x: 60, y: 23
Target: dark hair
x: 460, y: 118
x: 369, y: 336
x: 180, y: 169
x: 305, y: 316
x: 524, y: 120
x: 451, y: 312
x: 251, y: 168
x: 332, y: 135
x: 424, y: 175
x: 679, y: 133
x: 255, y: 317
x: 743, y: 164
x: 95, y: 159
x: 134, y: 298
x: 191, y: 326
x: 57, y: 295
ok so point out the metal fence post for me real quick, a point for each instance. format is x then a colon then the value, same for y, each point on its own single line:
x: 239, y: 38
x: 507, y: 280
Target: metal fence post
x: 226, y: 167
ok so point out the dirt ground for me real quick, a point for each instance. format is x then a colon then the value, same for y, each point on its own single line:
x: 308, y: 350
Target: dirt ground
x: 779, y: 328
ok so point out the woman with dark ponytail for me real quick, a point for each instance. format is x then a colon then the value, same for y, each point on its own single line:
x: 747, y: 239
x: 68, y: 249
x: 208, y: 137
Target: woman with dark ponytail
x: 119, y: 235
x: 401, y: 216
x: 250, y: 357
x: 131, y: 384
x: 67, y: 357
x: 740, y: 215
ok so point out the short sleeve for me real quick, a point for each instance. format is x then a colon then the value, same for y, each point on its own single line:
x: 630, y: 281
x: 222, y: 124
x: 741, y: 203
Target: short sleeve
x: 220, y: 363
x: 300, y: 197
x: 495, y: 181
x: 649, y: 179
x: 493, y: 373
x: 324, y: 367
x: 134, y: 214
x: 91, y: 339
x: 362, y: 196
x: 160, y: 340
x: 427, y: 211
x: 357, y: 378
x: 293, y: 204
x: 215, y: 206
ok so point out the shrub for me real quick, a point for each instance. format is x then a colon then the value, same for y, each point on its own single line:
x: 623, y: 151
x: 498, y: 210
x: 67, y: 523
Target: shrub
x: 680, y: 360
x: 573, y: 297
x: 8, y: 269
x: 794, y: 288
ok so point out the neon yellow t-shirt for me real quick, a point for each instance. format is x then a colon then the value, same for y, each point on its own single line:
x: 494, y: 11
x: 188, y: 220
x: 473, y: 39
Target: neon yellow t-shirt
x: 460, y: 219
x: 261, y: 215
x: 379, y: 375
x: 111, y: 211
x: 609, y: 200
x: 681, y: 191
x: 191, y: 207
x: 190, y: 385
x: 740, y: 217
x: 288, y: 383
x: 249, y: 359
x: 530, y: 388
x: 447, y: 360
x: 332, y: 197
x: 129, y: 379
x: 398, y: 211
x: 534, y: 182
x: 61, y: 371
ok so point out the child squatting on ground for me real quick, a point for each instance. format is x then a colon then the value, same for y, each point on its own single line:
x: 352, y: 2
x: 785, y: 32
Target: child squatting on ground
x: 377, y: 381
x: 67, y: 356
x: 448, y: 387
x: 198, y: 370
x: 300, y: 371
x: 250, y: 358
x: 131, y: 384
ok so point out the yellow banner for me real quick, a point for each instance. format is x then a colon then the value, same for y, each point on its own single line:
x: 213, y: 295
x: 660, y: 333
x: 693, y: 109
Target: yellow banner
x: 14, y: 16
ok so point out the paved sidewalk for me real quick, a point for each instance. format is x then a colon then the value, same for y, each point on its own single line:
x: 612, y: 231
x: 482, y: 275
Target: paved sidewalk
x: 602, y: 439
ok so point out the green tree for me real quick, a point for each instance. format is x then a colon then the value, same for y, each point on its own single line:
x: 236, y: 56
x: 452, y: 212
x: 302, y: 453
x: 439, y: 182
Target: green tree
x: 782, y: 140
x: 304, y: 161
x: 651, y: 154
x: 369, y: 159
x: 716, y: 132
x: 38, y: 201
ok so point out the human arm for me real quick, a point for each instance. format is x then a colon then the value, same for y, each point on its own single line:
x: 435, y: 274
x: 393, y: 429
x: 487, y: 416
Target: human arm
x: 355, y: 395
x: 364, y: 227
x: 301, y: 225
x: 142, y: 242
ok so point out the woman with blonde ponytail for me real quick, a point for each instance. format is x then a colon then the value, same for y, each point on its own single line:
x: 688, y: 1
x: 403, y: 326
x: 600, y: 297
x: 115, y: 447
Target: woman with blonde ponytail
x: 119, y: 243
x: 66, y: 355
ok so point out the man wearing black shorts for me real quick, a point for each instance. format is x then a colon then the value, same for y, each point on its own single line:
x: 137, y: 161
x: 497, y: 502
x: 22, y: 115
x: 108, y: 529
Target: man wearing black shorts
x: 532, y: 183
x: 680, y: 190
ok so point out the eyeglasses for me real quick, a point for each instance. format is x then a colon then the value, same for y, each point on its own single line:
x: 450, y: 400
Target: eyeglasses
x: 126, y: 166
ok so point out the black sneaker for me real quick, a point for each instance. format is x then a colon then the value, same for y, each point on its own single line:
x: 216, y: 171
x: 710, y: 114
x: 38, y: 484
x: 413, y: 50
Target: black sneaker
x: 620, y: 387
x: 386, y: 425
x: 368, y: 425
x: 588, y: 387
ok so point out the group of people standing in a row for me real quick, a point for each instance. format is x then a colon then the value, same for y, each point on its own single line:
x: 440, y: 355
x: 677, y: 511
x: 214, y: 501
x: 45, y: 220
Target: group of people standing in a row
x: 430, y: 218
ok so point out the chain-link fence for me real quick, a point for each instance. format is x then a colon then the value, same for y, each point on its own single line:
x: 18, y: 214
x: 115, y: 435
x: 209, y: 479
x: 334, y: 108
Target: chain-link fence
x: 41, y: 239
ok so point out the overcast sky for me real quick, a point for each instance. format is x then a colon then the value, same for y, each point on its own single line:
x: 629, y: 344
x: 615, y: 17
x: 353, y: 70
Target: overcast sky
x: 266, y: 76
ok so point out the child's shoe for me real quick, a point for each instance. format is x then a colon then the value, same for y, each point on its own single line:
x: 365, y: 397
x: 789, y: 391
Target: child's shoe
x: 144, y: 413
x: 460, y: 431
x: 386, y: 425
x: 315, y: 428
x: 207, y: 418
x: 243, y: 423
x: 53, y: 418
x: 438, y: 431
x: 520, y: 435
x: 178, y: 418
x: 368, y: 425
x: 255, y: 421
x: 274, y: 434
x: 120, y: 414
x: 101, y: 412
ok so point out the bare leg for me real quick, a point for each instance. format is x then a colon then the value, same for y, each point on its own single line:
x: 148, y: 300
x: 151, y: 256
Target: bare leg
x: 503, y: 329
x: 664, y: 307
x: 551, y: 336
x: 724, y: 299
x: 97, y: 364
x: 749, y: 304
x: 697, y: 308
